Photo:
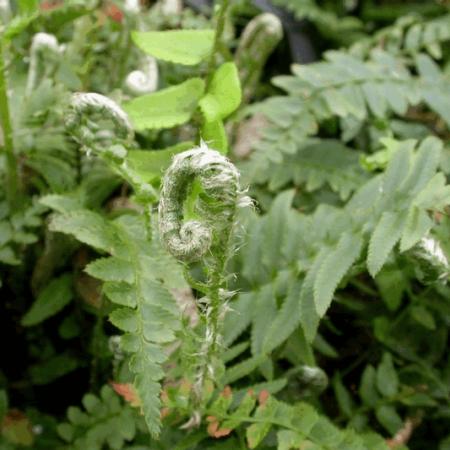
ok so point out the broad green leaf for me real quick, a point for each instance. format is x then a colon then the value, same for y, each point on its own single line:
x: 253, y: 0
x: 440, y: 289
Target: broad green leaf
x: 223, y: 95
x: 188, y: 47
x: 53, y: 298
x: 167, y: 107
x: 386, y: 234
x: 151, y: 164
x: 387, y: 379
x: 333, y: 269
x: 214, y: 134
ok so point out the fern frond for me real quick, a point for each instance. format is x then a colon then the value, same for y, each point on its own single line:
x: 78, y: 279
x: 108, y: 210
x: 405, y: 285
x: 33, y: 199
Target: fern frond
x: 104, y: 421
x: 135, y: 280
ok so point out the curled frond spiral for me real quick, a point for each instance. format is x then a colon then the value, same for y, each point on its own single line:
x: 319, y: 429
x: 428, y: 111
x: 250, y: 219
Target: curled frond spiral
x: 219, y: 180
x: 144, y: 81
x: 258, y: 40
x: 41, y: 43
x: 88, y: 133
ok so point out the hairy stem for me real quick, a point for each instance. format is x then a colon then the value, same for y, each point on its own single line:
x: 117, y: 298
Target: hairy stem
x: 12, y: 183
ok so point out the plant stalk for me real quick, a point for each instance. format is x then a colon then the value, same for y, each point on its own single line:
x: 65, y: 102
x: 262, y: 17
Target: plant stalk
x: 12, y: 183
x: 218, y: 38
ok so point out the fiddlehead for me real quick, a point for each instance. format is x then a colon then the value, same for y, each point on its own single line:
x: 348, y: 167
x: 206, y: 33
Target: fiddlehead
x: 207, y: 240
x: 144, y: 81
x: 89, y: 134
x: 219, y: 180
x: 257, y: 42
x: 41, y: 43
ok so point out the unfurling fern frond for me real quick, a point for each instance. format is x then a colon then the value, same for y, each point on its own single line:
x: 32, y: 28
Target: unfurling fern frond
x: 85, y: 106
x: 145, y: 80
x: 257, y: 42
x: 219, y: 181
x: 207, y: 240
x: 42, y: 44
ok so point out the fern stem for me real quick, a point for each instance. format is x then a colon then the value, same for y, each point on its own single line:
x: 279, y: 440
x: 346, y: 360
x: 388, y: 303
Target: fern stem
x: 12, y: 184
x: 221, y: 19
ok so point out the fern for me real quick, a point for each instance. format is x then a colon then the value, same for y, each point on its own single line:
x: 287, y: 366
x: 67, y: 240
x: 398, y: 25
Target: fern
x: 295, y: 425
x: 147, y: 312
x: 349, y: 88
x: 329, y: 242
x: 105, y: 421
x: 330, y: 24
x: 409, y: 35
x: 314, y: 164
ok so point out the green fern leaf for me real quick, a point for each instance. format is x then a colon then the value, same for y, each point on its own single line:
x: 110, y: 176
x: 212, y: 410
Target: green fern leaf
x: 386, y: 234
x: 417, y: 226
x: 89, y: 228
x: 286, y: 320
x: 333, y: 269
x: 309, y: 318
x: 188, y: 47
x: 167, y: 107
x: 264, y: 310
x: 111, y: 269
x: 223, y: 95
x: 53, y: 298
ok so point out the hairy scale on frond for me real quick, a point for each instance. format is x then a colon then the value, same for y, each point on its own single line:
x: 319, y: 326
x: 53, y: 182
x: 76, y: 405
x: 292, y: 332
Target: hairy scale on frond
x: 219, y: 179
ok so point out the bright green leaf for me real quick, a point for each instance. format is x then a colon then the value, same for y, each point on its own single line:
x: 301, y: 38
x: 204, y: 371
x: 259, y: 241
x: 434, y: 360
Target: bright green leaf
x: 167, y: 107
x: 188, y: 47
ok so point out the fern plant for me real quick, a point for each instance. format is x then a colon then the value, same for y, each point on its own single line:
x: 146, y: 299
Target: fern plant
x: 317, y: 318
